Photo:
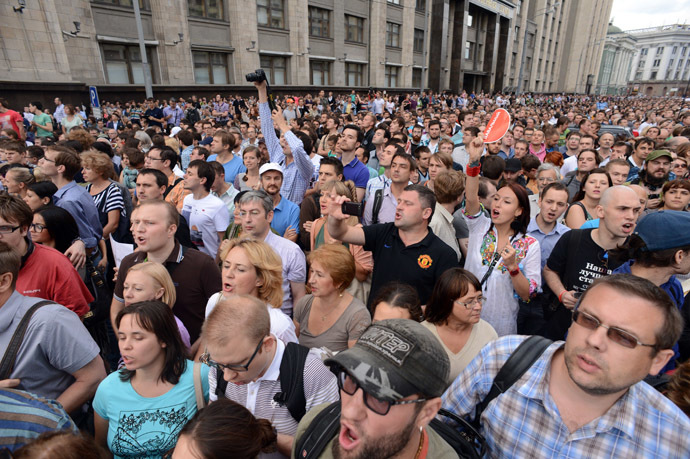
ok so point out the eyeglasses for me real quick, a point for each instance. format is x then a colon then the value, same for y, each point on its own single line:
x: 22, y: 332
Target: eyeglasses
x: 154, y: 159
x: 546, y: 179
x: 206, y: 358
x: 472, y: 303
x: 616, y: 335
x: 37, y: 227
x: 347, y: 384
x: 8, y: 229
x: 45, y: 158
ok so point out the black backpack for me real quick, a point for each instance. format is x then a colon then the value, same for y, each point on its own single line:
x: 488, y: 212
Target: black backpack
x: 378, y: 202
x: 291, y: 381
x: 465, y: 440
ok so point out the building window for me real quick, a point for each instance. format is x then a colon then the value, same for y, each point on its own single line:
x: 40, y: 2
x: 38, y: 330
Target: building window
x: 354, y: 29
x: 354, y: 74
x: 418, y: 41
x: 392, y: 35
x: 656, y: 62
x: 392, y: 76
x: 319, y: 22
x: 683, y: 50
x: 638, y: 75
x: 320, y: 73
x: 143, y: 4
x: 644, y: 51
x: 659, y: 50
x: 275, y: 68
x: 469, y: 48
x: 674, y: 50
x: 206, y: 8
x: 670, y: 62
x: 470, y: 20
x: 416, y: 78
x: 123, y: 64
x: 652, y: 76
x: 642, y: 63
x: 394, y: 2
x: 210, y: 68
x: 420, y: 5
x: 271, y: 13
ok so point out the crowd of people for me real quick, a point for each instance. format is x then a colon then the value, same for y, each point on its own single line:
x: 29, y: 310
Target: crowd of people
x: 283, y: 259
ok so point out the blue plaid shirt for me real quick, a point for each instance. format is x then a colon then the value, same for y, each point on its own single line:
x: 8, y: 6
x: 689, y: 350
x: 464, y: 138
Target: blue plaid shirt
x: 524, y: 422
x: 298, y: 174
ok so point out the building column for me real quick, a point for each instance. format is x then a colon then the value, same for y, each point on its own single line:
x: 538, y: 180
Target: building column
x: 490, y: 43
x: 503, y: 34
x: 457, y: 53
x: 169, y: 19
x: 438, y: 42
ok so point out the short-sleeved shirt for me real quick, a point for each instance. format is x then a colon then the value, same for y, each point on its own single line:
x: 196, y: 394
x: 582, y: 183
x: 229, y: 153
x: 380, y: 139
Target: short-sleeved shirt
x: 285, y: 214
x: 196, y: 277
x: 48, y: 274
x: 232, y: 167
x: 348, y: 327
x: 155, y: 112
x: 147, y: 426
x: 55, y: 345
x: 356, y: 171
x: 11, y: 120
x: 294, y: 266
x: 207, y: 217
x: 419, y: 264
x: 43, y: 119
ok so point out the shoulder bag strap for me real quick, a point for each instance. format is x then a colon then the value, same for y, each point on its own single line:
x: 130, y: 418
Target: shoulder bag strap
x: 198, y: 388
x: 378, y: 202
x: 291, y: 378
x: 320, y: 431
x: 8, y: 360
x: 521, y: 360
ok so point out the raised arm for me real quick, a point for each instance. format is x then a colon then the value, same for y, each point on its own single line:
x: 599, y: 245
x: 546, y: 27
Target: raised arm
x: 475, y: 150
x: 267, y: 128
x: 337, y: 223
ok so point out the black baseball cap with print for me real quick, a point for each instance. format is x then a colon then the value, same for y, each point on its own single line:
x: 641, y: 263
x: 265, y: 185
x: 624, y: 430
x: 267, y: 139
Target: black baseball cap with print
x: 394, y: 359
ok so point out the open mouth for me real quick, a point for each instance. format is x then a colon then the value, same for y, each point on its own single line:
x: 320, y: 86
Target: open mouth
x: 628, y: 227
x: 348, y: 438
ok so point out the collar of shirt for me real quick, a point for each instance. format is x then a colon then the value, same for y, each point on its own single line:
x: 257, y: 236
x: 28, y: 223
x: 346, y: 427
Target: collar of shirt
x: 444, y: 213
x: 352, y: 163
x: 281, y: 204
x: 9, y: 310
x: 558, y: 229
x: 273, y: 371
x: 175, y: 257
x: 61, y: 192
x: 426, y: 242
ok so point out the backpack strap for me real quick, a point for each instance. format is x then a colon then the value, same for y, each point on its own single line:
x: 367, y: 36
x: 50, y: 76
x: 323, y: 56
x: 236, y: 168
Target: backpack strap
x: 8, y: 360
x: 521, y: 360
x: 221, y: 385
x: 292, y: 380
x: 378, y: 202
x: 319, y: 432
x: 170, y: 187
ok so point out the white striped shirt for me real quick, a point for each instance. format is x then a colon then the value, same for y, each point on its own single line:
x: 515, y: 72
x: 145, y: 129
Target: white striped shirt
x: 320, y: 386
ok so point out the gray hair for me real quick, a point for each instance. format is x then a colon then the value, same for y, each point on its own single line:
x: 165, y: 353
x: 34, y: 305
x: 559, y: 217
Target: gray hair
x: 549, y: 167
x: 144, y: 140
x: 258, y: 196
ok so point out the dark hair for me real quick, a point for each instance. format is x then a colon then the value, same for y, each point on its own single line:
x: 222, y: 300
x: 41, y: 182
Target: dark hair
x: 519, y: 225
x: 218, y: 169
x: 472, y: 130
x: 580, y: 195
x: 628, y: 148
x: 134, y: 155
x: 644, y: 140
x: 68, y: 158
x: 103, y: 147
x: 333, y: 161
x: 410, y: 160
x: 185, y: 137
x: 157, y: 317
x: 14, y: 209
x: 427, y: 198
x: 453, y: 284
x: 44, y: 189
x: 61, y: 226
x: 634, y: 248
x: 38, y: 105
x: 167, y: 154
x: 354, y: 127
x: 399, y: 295
x: 493, y: 167
x: 204, y: 170
x: 226, y: 429
x: 161, y: 179
x: 558, y: 186
x: 529, y: 162
x: 573, y: 133
x: 634, y: 286
x: 10, y: 262
x: 306, y: 140
x: 61, y: 444
x: 202, y: 151
x: 14, y: 145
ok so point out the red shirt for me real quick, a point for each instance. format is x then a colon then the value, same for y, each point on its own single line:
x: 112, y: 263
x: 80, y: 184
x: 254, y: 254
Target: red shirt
x: 11, y: 119
x: 48, y: 274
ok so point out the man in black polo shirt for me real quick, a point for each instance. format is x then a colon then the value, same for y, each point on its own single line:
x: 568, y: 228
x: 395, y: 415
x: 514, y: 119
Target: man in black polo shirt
x: 405, y: 250
x: 195, y: 275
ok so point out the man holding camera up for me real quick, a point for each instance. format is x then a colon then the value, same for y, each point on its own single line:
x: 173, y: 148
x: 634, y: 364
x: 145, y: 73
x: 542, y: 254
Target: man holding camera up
x: 289, y: 151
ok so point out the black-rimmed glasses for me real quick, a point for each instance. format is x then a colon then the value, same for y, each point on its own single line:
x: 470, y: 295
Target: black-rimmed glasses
x: 347, y: 384
x: 220, y: 367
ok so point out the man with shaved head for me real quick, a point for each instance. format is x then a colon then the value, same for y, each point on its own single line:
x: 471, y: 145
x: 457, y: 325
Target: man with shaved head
x: 248, y: 359
x: 580, y: 256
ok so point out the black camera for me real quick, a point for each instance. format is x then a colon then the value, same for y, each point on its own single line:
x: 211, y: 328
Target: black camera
x: 258, y: 76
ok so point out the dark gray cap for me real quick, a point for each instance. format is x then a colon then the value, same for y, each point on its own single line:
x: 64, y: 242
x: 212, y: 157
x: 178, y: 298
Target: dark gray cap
x: 396, y: 358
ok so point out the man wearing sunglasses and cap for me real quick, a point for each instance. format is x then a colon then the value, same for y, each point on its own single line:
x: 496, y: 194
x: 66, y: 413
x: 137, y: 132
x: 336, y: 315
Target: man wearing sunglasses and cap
x: 585, y: 397
x: 390, y: 384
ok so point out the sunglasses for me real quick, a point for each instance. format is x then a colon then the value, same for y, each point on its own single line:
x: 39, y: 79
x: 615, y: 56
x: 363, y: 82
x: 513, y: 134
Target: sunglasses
x: 616, y: 335
x: 347, y: 384
x: 220, y: 367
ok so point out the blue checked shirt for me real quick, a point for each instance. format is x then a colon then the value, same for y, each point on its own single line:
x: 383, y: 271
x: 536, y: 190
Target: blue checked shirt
x: 297, y: 174
x: 524, y: 422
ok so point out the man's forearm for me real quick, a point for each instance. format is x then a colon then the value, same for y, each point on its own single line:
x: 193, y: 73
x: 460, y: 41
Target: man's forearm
x: 84, y: 387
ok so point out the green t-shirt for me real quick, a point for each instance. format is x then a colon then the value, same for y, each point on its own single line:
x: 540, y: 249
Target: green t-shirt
x: 43, y: 119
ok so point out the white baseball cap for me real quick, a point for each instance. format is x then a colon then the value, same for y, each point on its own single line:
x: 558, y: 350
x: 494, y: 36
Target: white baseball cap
x: 174, y: 131
x: 270, y: 167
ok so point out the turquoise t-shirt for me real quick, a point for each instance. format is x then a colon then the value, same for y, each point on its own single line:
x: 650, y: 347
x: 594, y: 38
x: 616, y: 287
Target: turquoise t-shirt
x: 42, y: 119
x: 146, y: 427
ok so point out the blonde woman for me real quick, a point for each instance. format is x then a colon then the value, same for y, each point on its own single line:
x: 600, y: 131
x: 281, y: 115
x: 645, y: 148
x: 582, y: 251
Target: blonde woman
x: 364, y: 261
x: 18, y: 180
x: 253, y: 268
x: 151, y: 281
